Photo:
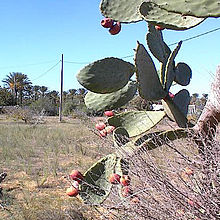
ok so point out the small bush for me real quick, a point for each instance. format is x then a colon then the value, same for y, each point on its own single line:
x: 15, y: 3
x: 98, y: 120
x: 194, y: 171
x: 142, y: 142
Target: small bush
x: 46, y: 105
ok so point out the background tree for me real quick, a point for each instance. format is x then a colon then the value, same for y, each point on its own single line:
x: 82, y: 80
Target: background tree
x: 17, y: 82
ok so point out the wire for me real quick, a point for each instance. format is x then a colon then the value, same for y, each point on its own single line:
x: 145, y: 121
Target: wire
x: 199, y: 35
x: 32, y: 64
x: 76, y: 62
x: 47, y: 71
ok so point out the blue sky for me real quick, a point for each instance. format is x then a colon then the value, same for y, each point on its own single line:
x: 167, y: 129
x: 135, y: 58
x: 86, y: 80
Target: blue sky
x: 34, y: 34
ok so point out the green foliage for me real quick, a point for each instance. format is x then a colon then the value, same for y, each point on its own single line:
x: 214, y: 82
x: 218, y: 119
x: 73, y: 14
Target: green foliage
x: 152, y: 13
x: 96, y: 187
x: 106, y: 76
x: 136, y: 122
x: 99, y: 102
x: 6, y: 98
x: 197, y: 8
x: 46, y: 105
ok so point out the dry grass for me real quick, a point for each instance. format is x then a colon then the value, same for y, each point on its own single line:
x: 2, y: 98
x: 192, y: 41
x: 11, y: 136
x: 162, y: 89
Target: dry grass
x: 37, y: 158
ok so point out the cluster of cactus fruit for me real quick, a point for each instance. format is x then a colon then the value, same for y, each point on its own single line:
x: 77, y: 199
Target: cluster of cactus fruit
x: 110, y: 85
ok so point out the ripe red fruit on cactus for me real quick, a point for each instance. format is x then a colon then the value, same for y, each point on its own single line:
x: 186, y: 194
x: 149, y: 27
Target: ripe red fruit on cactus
x: 72, y: 191
x: 107, y: 23
x: 114, y: 178
x: 109, y: 129
x: 190, y: 202
x: 108, y: 113
x: 103, y: 133
x: 75, y: 184
x: 100, y: 126
x: 171, y: 95
x: 76, y: 175
x: 125, y: 180
x: 115, y: 29
x: 159, y: 28
x: 126, y: 191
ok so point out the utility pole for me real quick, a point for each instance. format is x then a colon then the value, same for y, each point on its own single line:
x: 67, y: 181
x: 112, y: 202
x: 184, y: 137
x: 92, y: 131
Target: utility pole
x: 61, y: 90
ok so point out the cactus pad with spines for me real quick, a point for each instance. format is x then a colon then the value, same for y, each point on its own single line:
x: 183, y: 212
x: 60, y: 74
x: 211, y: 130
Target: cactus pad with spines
x: 183, y: 74
x: 101, y: 102
x: 174, y: 113
x: 149, y: 84
x: 156, y: 44
x: 105, y: 75
x: 96, y: 187
x: 182, y: 100
x: 197, y: 8
x: 120, y: 136
x: 152, y: 13
x: 157, y: 139
x: 169, y: 70
x: 125, y: 11
x: 136, y: 122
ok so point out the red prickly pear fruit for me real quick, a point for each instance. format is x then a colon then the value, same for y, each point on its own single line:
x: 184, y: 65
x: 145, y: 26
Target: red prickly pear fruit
x: 125, y: 180
x: 190, y: 202
x: 100, y: 126
x: 109, y: 129
x: 75, y: 184
x: 72, y: 191
x: 76, y: 175
x: 103, y: 133
x: 126, y: 191
x: 115, y: 29
x: 114, y: 178
x: 159, y: 28
x: 108, y: 113
x: 107, y: 23
x: 171, y: 95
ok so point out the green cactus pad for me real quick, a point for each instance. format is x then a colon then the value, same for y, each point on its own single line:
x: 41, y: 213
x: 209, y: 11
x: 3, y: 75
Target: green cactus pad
x: 125, y: 11
x: 149, y: 84
x: 174, y: 113
x: 183, y: 74
x: 106, y: 75
x: 100, y: 102
x: 154, y: 14
x: 169, y: 70
x: 121, y: 168
x: 96, y: 186
x: 136, y: 122
x: 182, y: 100
x: 197, y: 8
x: 156, y: 44
x: 120, y: 136
x: 157, y: 139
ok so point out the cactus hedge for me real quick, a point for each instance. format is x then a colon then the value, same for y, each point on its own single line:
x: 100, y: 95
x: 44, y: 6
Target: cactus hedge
x: 110, y: 86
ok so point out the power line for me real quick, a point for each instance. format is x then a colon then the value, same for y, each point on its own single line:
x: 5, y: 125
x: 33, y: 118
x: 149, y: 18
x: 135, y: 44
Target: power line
x: 47, y: 71
x: 76, y: 62
x: 199, y: 35
x: 25, y: 65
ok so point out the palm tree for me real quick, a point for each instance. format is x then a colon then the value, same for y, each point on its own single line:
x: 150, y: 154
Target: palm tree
x: 17, y: 82
x: 36, y: 90
x: 43, y: 89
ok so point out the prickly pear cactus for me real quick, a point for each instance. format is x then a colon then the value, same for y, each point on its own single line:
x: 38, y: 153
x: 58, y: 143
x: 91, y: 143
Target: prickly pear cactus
x: 110, y: 85
x: 152, y: 13
x: 196, y: 8
x: 96, y: 186
x: 106, y: 75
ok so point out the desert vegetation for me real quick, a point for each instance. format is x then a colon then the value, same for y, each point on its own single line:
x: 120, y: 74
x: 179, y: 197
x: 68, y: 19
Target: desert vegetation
x: 113, y: 157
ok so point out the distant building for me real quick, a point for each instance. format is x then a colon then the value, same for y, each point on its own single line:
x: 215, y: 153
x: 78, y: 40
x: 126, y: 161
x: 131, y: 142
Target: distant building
x: 157, y: 107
